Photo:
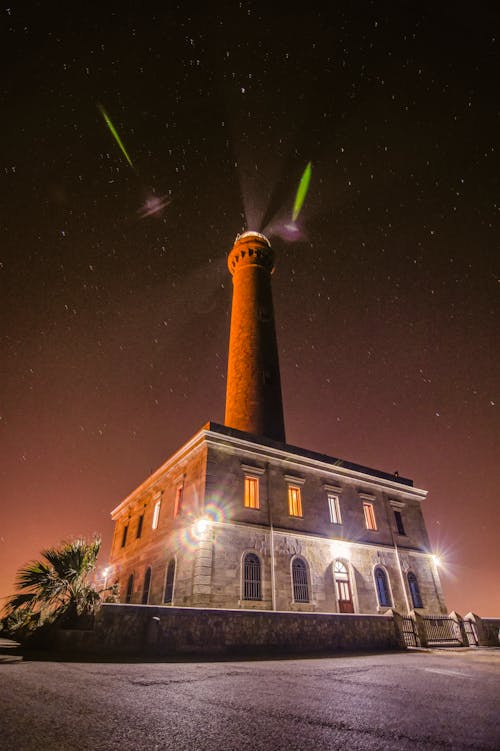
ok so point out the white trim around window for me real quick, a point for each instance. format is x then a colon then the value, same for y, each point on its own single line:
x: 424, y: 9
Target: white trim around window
x: 334, y: 508
x: 156, y: 513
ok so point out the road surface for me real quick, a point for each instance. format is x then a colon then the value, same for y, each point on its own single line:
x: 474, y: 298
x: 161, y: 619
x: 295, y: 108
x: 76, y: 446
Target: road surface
x: 415, y: 700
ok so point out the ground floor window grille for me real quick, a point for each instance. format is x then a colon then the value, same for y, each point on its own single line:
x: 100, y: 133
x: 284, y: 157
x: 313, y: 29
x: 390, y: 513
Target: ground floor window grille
x: 414, y: 590
x: 251, y: 578
x: 384, y: 598
x: 130, y: 587
x: 299, y: 577
x: 145, y: 589
x: 169, y: 583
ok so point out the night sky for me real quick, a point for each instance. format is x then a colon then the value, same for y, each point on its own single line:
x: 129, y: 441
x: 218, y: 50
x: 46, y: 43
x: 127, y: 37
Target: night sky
x: 115, y: 325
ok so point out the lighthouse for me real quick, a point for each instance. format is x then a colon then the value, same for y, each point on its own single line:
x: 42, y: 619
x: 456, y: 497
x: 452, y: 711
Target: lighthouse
x: 237, y: 518
x: 253, y: 397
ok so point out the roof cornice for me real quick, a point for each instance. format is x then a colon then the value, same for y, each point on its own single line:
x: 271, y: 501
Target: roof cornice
x: 395, y: 488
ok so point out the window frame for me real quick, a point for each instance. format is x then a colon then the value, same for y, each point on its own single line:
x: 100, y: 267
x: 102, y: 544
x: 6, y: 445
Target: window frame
x: 251, y: 590
x: 130, y: 589
x: 179, y: 498
x: 251, y: 481
x: 156, y: 514
x: 294, y: 495
x: 146, y: 591
x: 295, y: 501
x: 342, y: 580
x: 140, y: 524
x: 124, y: 535
x: 298, y: 587
x: 380, y: 574
x: 411, y: 578
x: 399, y: 522
x: 172, y: 564
x: 369, y: 515
x: 334, y: 508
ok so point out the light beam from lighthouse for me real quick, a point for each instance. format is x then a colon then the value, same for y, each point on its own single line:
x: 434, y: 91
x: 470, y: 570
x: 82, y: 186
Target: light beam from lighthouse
x: 253, y: 397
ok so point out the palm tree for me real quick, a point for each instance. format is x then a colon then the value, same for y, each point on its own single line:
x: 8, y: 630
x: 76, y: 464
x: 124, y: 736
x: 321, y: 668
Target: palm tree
x: 57, y: 587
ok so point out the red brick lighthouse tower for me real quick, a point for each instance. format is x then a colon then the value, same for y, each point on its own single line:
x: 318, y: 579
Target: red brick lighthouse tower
x: 253, y: 398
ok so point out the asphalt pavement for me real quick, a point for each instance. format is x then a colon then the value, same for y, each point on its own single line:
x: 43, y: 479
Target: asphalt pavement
x: 407, y: 700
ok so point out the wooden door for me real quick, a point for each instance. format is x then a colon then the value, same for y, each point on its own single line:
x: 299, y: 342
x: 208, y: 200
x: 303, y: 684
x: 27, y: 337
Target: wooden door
x: 345, y: 597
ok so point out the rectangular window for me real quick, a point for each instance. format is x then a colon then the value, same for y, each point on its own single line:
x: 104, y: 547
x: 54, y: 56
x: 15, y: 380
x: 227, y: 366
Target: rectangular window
x: 251, y: 492
x: 334, y: 506
x: 399, y: 523
x: 139, y: 526
x: 369, y: 515
x: 156, y: 514
x: 294, y: 501
x: 179, y: 497
x: 124, y: 536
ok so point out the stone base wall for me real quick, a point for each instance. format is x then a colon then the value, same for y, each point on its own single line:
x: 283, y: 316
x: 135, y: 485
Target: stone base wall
x: 490, y: 632
x: 163, y: 631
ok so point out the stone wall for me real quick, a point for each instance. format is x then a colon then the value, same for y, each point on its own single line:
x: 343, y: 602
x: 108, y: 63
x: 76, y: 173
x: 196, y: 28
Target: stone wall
x: 491, y: 631
x: 231, y: 541
x: 208, y: 566
x: 162, y: 631
x: 487, y: 629
x: 156, y: 547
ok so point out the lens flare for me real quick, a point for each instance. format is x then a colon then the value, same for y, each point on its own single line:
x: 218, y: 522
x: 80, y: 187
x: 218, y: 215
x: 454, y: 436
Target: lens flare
x: 153, y: 206
x: 197, y: 527
x: 214, y: 512
x: 188, y: 538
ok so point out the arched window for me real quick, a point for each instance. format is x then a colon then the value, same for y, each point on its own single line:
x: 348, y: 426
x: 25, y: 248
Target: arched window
x: 169, y: 583
x: 343, y: 587
x: 299, y: 580
x: 145, y: 588
x: 251, y: 577
x: 414, y: 590
x: 130, y: 588
x: 382, y: 585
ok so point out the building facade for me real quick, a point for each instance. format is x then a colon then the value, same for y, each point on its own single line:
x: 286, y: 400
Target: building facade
x: 238, y: 518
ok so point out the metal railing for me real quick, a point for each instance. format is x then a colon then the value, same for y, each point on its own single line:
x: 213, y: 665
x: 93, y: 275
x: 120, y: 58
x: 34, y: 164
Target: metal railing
x: 471, y: 633
x: 409, y: 631
x: 441, y: 630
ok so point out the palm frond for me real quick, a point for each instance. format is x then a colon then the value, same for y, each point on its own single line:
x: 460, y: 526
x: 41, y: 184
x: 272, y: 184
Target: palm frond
x: 21, y: 601
x: 59, y: 584
x: 34, y: 574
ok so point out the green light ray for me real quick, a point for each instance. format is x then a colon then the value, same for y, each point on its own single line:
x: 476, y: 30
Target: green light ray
x: 302, y: 191
x: 114, y: 133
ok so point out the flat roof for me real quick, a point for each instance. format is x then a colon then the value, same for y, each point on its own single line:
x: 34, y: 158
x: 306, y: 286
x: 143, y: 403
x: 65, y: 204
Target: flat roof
x: 335, y: 461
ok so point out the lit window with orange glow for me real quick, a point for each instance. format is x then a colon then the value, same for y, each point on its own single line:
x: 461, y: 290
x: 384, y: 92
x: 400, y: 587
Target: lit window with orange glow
x: 370, y: 522
x: 179, y: 497
x: 294, y: 501
x: 156, y: 514
x: 251, y: 499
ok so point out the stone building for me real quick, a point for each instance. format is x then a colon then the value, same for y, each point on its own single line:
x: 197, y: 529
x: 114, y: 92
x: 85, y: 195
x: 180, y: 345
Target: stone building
x: 238, y: 518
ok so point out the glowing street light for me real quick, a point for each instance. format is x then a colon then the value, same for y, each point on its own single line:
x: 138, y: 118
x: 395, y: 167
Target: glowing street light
x: 200, y: 527
x: 437, y: 559
x: 105, y: 573
x: 341, y: 549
